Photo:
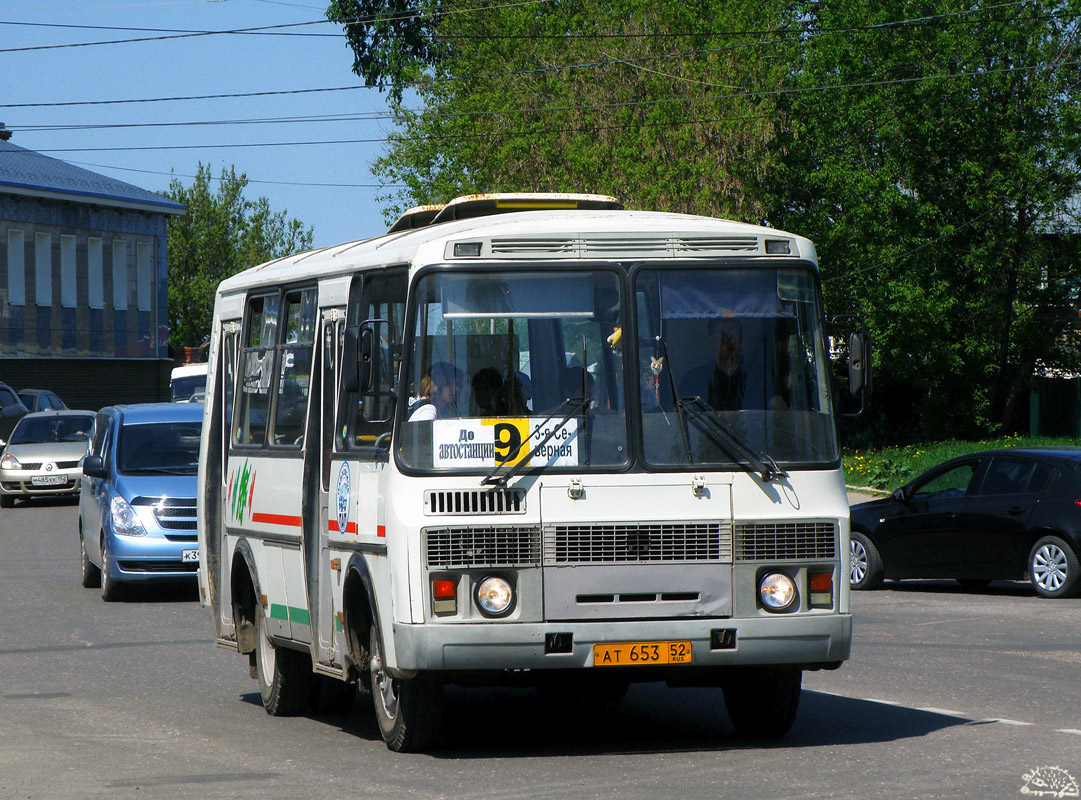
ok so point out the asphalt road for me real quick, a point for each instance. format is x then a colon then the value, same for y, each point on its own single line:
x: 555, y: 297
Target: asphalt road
x: 947, y: 694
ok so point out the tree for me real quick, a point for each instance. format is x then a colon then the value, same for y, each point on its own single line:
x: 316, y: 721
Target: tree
x: 221, y: 234
x: 931, y: 180
x: 583, y: 96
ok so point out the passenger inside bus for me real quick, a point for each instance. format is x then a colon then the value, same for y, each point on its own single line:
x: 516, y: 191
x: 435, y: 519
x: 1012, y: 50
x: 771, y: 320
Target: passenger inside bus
x: 721, y: 380
x: 438, y: 396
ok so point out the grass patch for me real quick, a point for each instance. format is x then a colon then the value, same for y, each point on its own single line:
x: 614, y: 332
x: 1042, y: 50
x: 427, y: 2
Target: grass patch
x: 887, y: 468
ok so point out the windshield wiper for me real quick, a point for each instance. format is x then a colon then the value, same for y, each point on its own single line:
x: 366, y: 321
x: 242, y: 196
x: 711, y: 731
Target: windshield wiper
x: 494, y: 479
x: 704, y: 416
x: 186, y: 470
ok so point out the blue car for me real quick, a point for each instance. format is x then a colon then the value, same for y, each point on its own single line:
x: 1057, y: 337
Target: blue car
x: 137, y: 501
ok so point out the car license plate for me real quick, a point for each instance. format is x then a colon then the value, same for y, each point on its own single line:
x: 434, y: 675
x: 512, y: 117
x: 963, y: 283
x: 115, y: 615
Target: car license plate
x: 190, y: 556
x: 48, y: 480
x: 636, y: 654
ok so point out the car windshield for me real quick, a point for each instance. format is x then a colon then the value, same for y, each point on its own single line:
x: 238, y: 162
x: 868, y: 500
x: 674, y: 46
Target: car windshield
x: 41, y: 430
x: 166, y: 447
x: 732, y: 368
x: 186, y: 387
x: 506, y: 363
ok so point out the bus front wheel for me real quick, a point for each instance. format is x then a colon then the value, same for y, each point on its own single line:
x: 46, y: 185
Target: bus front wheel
x: 409, y: 711
x: 762, y: 701
x: 285, y: 676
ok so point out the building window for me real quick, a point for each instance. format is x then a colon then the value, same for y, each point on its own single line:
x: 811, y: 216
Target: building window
x: 16, y: 269
x: 95, y: 278
x: 144, y: 274
x: 120, y: 274
x: 67, y: 271
x: 43, y: 269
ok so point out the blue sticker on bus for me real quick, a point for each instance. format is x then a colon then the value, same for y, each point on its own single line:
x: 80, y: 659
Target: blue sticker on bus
x: 343, y: 497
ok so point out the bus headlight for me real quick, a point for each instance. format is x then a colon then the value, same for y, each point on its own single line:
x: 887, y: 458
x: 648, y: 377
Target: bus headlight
x: 777, y: 591
x: 495, y: 596
x: 125, y: 521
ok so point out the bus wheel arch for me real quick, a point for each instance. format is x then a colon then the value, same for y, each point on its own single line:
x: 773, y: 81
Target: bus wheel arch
x: 358, y: 619
x: 245, y: 597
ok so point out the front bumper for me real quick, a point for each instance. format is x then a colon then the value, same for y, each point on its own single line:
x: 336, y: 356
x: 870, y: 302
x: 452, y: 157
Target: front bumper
x: 20, y: 482
x: 150, y: 557
x: 800, y: 640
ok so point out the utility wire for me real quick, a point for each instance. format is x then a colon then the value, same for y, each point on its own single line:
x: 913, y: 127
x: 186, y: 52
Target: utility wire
x: 594, y: 107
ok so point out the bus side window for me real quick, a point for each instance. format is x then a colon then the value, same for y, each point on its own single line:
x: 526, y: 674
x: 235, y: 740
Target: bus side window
x: 257, y: 365
x: 363, y: 418
x: 295, y: 366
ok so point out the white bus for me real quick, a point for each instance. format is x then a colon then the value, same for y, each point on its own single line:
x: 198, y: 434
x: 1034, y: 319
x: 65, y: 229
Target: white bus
x: 532, y: 439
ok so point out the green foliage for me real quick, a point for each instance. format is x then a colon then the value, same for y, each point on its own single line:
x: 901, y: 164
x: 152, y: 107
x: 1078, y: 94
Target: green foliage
x: 221, y: 234
x: 928, y: 147
x: 887, y: 468
x: 931, y: 183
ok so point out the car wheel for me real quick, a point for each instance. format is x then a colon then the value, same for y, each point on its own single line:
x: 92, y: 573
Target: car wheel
x: 409, y: 711
x: 111, y: 589
x: 865, y: 565
x: 1053, y: 568
x: 7, y: 501
x: 91, y: 575
x: 284, y: 675
x: 762, y: 702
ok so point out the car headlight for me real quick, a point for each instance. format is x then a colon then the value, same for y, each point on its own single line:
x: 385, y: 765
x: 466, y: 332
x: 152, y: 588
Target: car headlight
x: 10, y: 462
x: 777, y: 591
x: 495, y: 596
x: 125, y: 522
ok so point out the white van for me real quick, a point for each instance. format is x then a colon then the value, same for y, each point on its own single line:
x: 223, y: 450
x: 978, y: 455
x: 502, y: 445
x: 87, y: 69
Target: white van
x: 188, y: 383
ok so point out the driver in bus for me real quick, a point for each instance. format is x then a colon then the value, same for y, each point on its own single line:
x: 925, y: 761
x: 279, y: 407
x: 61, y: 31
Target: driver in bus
x: 720, y: 381
x: 438, y: 396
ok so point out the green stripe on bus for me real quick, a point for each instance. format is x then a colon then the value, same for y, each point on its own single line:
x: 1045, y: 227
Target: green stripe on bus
x: 290, y: 614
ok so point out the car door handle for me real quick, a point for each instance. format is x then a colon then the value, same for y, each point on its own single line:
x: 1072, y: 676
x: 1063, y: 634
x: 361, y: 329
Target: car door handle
x: 950, y: 516
x: 1016, y: 510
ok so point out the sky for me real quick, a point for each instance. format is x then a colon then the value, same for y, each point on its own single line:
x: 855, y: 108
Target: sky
x: 284, y: 161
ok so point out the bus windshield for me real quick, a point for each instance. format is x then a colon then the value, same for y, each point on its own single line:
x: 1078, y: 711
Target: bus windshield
x: 507, y: 363
x: 732, y: 367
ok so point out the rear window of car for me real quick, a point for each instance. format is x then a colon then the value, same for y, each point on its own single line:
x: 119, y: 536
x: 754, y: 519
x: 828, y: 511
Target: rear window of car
x: 170, y: 448
x: 42, y: 430
x: 1012, y: 475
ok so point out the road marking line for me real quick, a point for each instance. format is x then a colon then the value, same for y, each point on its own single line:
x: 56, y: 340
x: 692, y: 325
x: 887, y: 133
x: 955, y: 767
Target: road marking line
x: 949, y: 712
x: 1008, y: 721
x: 1074, y: 731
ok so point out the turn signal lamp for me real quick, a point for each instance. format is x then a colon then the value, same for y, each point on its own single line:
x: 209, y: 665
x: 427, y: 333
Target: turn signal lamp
x: 445, y: 595
x: 821, y: 585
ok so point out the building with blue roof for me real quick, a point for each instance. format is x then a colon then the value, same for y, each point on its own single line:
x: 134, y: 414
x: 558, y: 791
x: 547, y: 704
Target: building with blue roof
x: 83, y: 282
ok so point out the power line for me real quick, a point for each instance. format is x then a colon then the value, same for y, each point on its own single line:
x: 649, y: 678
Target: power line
x: 249, y: 180
x: 594, y: 107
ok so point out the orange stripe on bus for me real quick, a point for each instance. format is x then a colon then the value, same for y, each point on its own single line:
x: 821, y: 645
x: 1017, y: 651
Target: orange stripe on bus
x: 276, y: 519
x: 381, y: 531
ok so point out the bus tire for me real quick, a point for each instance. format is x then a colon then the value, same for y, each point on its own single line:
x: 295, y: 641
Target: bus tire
x: 284, y: 675
x: 762, y: 701
x: 409, y: 711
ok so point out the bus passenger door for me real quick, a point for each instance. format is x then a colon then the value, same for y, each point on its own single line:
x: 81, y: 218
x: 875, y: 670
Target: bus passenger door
x: 321, y: 573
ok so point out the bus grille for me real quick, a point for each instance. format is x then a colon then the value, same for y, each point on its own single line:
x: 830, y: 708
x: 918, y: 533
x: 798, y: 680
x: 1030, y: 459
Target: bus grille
x: 774, y: 541
x: 474, y: 501
x: 482, y: 547
x: 638, y: 542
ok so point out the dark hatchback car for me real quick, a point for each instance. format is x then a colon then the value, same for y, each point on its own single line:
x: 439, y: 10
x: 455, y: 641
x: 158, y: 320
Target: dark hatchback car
x: 41, y: 400
x: 997, y: 515
x: 12, y: 409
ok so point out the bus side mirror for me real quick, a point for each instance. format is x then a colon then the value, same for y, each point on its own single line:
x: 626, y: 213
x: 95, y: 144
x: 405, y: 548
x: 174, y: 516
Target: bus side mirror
x: 350, y: 362
x: 859, y: 364
x: 366, y: 362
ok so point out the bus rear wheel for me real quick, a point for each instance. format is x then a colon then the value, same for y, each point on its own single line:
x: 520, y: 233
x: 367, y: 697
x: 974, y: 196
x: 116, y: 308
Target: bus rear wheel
x: 284, y: 675
x: 762, y: 701
x: 409, y: 711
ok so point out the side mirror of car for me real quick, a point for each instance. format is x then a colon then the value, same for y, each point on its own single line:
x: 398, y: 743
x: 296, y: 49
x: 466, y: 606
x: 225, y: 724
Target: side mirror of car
x: 93, y: 467
x: 899, y: 495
